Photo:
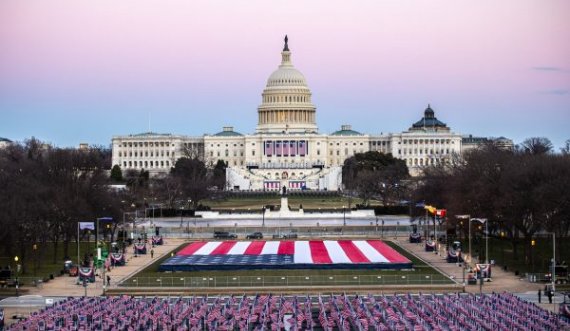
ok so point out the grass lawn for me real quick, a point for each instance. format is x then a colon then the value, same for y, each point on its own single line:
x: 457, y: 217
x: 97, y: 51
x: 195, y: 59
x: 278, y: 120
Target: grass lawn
x: 44, y: 257
x: 421, y: 274
x: 501, y: 250
x: 294, y: 202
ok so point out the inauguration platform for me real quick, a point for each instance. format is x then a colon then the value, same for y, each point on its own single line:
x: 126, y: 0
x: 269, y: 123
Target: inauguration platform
x: 314, y: 254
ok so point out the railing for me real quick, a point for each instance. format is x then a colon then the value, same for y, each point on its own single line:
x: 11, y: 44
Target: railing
x: 190, y: 232
x: 286, y: 281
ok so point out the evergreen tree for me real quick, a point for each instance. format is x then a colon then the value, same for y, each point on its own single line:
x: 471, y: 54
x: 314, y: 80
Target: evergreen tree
x: 116, y: 173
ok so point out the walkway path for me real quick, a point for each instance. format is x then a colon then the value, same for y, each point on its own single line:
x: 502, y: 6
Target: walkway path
x: 67, y: 286
x: 503, y: 281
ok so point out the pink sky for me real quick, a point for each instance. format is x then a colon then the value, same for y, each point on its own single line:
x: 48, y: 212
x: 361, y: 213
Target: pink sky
x: 74, y: 71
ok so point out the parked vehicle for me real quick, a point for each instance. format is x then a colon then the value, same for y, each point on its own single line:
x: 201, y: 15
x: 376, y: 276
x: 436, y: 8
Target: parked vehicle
x: 285, y: 236
x: 70, y: 268
x: 561, y: 272
x: 255, y: 235
x: 224, y: 235
x: 6, y: 278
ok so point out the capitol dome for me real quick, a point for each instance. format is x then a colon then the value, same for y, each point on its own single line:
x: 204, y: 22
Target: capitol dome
x: 286, y: 101
x: 286, y: 76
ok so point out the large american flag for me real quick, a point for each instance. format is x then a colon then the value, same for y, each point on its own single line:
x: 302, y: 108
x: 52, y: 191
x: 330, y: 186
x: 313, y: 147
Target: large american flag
x: 203, y: 255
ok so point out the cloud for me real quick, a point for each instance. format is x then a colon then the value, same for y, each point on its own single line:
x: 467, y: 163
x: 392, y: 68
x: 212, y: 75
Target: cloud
x: 556, y: 92
x: 547, y: 68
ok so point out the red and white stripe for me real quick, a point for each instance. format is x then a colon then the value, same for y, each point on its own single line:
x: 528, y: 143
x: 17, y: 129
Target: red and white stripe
x: 304, y: 252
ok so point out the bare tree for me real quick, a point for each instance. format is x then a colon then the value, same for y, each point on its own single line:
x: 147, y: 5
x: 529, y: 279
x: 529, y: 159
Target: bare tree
x: 566, y: 149
x: 537, y: 145
x: 194, y: 179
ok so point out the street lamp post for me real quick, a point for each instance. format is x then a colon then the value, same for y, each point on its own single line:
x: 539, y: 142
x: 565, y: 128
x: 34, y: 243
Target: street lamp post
x: 134, y: 222
x: 263, y: 216
x: 344, y: 215
x: 486, y: 222
x: 16, y: 259
x: 553, y: 273
x: 468, y: 218
x: 553, y: 270
x: 181, y: 219
x: 376, y: 229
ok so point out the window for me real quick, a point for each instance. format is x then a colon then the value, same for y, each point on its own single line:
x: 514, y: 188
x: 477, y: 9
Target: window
x: 252, y: 152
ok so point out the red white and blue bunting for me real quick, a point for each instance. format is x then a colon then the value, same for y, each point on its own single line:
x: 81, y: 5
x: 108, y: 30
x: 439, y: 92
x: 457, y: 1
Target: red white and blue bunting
x: 87, y: 273
x: 415, y: 238
x: 157, y: 240
x: 454, y: 256
x: 140, y: 248
x: 118, y: 259
x: 272, y: 185
x: 484, y: 270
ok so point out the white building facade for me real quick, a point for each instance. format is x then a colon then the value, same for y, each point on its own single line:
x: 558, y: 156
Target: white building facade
x: 287, y: 149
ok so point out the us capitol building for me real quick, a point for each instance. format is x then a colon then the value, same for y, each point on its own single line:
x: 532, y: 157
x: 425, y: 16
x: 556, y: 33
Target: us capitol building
x: 287, y: 148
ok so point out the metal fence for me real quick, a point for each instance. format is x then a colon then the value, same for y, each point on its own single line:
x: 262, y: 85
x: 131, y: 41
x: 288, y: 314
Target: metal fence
x: 387, y: 232
x: 276, y: 281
